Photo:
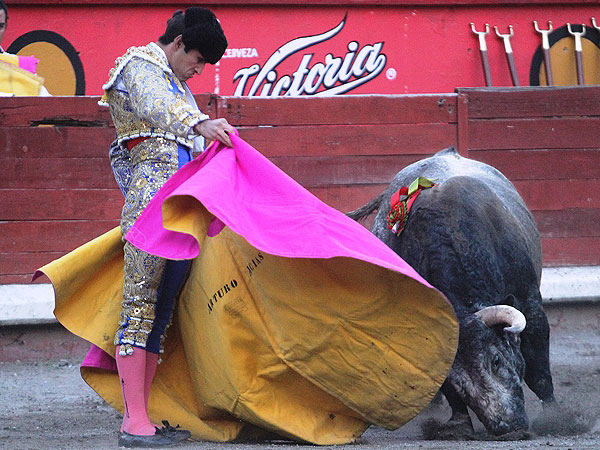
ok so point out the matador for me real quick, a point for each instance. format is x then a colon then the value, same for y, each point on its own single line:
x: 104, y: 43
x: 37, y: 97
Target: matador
x: 158, y: 125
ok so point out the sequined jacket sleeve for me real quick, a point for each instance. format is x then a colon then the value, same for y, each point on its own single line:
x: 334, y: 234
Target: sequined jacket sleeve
x: 159, y: 99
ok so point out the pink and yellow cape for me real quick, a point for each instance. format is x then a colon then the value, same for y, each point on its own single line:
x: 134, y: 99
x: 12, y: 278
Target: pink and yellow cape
x: 295, y: 318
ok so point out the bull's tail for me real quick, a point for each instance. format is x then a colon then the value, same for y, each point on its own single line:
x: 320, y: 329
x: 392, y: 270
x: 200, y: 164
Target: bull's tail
x: 364, y: 211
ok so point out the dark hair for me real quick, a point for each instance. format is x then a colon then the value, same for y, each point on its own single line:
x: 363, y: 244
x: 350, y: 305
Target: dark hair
x: 175, y: 27
x: 200, y: 30
x: 3, y: 6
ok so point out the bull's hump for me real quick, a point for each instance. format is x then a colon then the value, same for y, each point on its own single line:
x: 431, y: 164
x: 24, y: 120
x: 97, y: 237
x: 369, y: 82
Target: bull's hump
x: 448, y: 163
x: 450, y: 151
x: 439, y: 167
x: 452, y: 164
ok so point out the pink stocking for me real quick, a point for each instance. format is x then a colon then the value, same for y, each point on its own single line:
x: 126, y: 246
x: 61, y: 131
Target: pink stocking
x: 132, y: 375
x: 151, y: 364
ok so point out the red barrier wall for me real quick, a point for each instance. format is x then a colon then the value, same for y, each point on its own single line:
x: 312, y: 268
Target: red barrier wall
x: 57, y: 190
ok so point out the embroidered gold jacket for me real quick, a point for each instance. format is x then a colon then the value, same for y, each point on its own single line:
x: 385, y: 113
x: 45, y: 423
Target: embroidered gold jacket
x: 146, y: 98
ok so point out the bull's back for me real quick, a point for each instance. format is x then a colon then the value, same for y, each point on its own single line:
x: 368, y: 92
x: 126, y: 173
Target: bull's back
x: 471, y: 233
x: 447, y: 164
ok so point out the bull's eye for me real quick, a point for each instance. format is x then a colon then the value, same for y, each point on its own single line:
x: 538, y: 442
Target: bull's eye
x: 496, y: 363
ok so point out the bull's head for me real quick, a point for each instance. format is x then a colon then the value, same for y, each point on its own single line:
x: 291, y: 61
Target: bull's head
x: 488, y: 368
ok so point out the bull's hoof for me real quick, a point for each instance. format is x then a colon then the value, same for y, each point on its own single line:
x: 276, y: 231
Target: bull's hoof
x: 453, y: 430
x: 556, y: 420
x: 517, y: 435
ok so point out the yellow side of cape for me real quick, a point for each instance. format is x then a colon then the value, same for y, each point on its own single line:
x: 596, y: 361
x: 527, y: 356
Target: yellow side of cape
x: 17, y: 81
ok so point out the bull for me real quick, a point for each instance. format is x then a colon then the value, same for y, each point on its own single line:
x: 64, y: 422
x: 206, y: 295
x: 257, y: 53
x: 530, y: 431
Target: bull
x: 472, y: 237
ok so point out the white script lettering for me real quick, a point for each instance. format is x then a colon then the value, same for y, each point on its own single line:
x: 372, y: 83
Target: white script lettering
x: 240, y: 53
x: 334, y: 76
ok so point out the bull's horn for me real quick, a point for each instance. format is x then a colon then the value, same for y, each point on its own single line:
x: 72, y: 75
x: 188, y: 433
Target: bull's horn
x: 494, y: 315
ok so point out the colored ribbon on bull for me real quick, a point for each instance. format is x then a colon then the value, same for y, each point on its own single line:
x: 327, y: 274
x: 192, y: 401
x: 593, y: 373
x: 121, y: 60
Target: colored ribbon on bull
x: 402, y: 201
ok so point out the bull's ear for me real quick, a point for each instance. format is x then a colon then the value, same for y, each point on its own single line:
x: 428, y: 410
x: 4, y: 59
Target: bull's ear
x: 513, y: 338
x: 510, y: 300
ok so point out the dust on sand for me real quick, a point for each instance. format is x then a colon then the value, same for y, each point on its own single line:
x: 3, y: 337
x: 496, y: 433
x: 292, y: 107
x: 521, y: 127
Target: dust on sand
x: 47, y: 405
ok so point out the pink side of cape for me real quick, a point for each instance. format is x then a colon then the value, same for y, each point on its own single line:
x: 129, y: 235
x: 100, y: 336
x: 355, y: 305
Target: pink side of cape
x: 28, y: 63
x: 96, y: 357
x: 258, y: 201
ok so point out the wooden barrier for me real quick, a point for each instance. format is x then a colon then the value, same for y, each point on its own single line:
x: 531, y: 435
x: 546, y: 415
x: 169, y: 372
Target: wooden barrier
x: 547, y: 142
x: 57, y: 190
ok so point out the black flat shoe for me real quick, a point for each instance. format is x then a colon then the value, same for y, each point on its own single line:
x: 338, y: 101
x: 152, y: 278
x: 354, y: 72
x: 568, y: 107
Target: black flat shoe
x: 158, y: 439
x: 175, y: 433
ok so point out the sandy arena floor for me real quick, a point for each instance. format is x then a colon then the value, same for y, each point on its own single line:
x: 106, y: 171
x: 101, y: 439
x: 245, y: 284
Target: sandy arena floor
x: 46, y: 405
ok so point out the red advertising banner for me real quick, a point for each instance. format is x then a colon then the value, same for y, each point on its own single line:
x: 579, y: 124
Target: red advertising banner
x: 328, y: 48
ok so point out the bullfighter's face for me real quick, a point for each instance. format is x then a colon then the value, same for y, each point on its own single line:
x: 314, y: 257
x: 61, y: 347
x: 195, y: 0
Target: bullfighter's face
x: 186, y: 64
x: 3, y: 20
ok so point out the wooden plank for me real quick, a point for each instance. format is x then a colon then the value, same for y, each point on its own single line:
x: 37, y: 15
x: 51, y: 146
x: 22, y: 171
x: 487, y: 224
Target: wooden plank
x: 346, y: 197
x: 76, y: 111
x: 566, y: 133
x: 50, y: 236
x: 553, y: 195
x: 338, y: 110
x: 19, y: 279
x: 543, y: 164
x: 80, y: 142
x: 305, y: 141
x: 577, y: 251
x: 527, y: 102
x: 25, y: 263
x: 81, y: 111
x: 55, y: 142
x: 567, y: 250
x: 56, y: 173
x: 53, y: 204
x: 568, y: 223
x: 93, y: 173
x: 326, y: 171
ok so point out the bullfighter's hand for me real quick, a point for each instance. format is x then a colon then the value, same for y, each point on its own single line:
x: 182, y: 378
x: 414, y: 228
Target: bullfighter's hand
x: 215, y: 129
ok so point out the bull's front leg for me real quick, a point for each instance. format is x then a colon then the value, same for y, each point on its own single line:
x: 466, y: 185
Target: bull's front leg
x: 535, y: 347
x: 460, y: 414
x: 458, y: 427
